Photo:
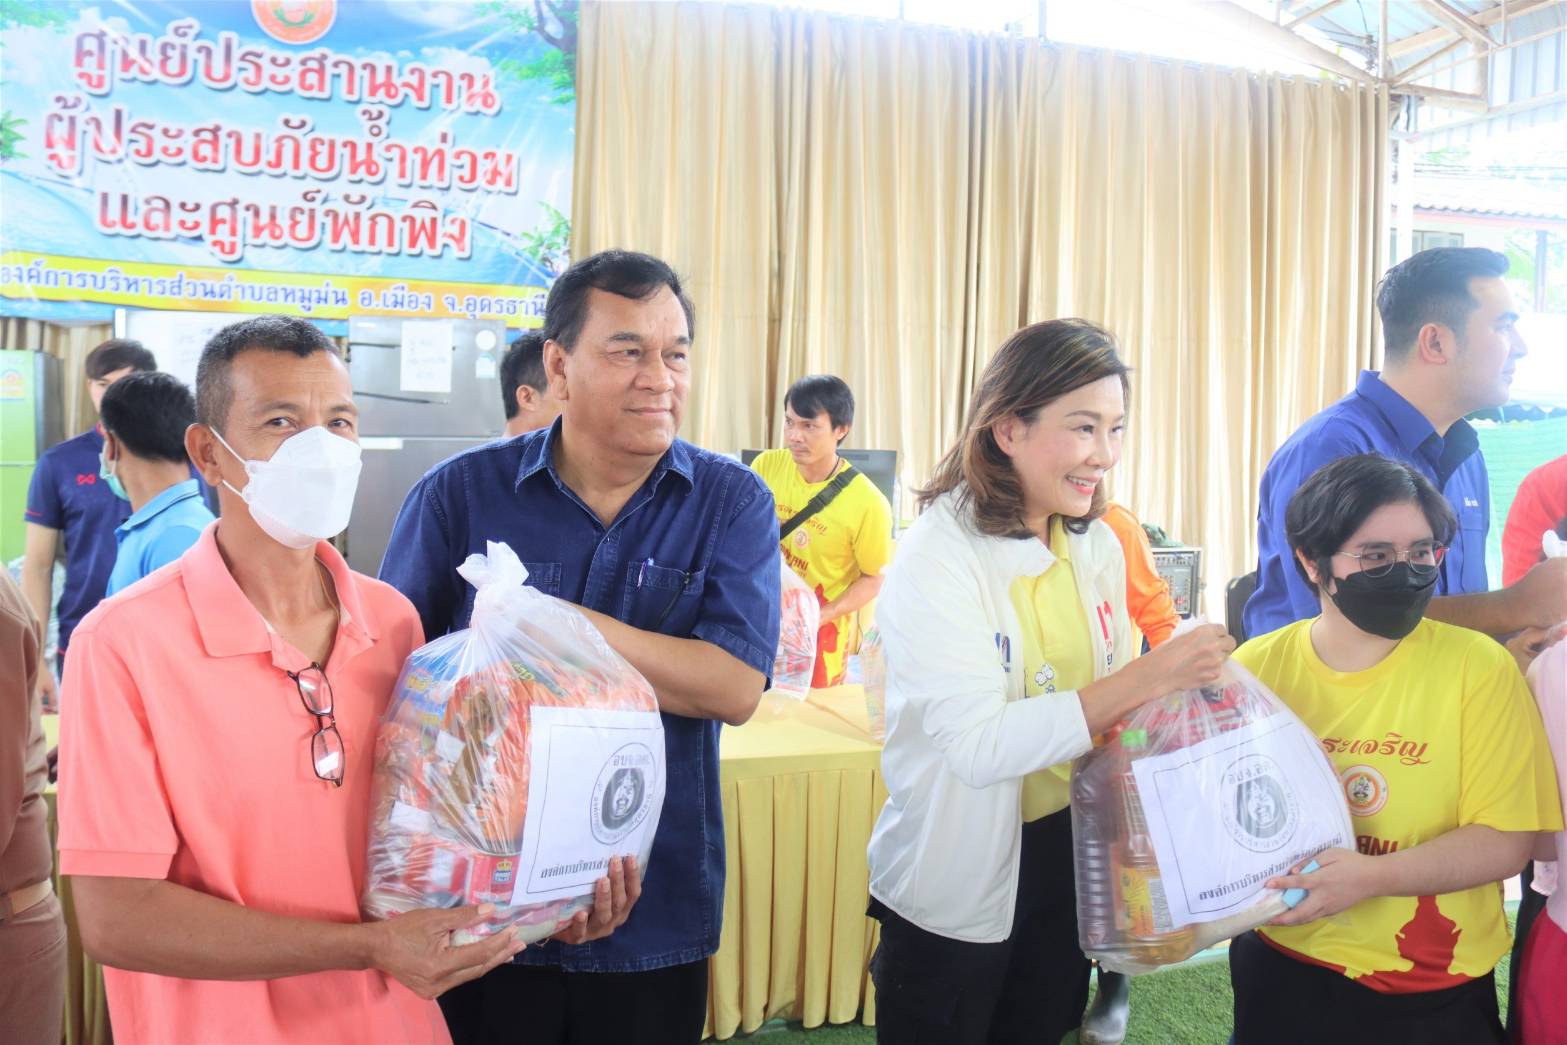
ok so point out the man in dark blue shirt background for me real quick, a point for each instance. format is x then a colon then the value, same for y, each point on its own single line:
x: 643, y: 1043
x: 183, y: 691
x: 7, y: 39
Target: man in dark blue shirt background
x: 1449, y: 350
x: 68, y: 498
x: 672, y: 552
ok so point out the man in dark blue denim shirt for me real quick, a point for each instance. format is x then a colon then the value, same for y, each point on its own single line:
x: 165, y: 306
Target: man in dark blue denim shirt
x: 672, y: 552
x: 1450, y: 348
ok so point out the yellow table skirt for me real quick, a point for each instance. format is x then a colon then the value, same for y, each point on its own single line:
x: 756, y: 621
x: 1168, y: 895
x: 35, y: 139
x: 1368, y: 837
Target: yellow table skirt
x: 801, y: 790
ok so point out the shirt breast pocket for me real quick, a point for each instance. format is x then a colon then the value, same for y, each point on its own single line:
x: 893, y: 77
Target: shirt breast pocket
x: 1472, y: 527
x: 663, y: 599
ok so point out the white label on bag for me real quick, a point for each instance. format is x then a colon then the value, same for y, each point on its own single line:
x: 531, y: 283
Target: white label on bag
x: 407, y: 818
x: 595, y: 790
x: 1229, y: 813
x: 448, y: 747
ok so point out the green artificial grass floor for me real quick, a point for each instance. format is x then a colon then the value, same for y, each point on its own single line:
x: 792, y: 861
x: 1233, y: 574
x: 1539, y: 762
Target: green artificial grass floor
x: 1188, y: 1004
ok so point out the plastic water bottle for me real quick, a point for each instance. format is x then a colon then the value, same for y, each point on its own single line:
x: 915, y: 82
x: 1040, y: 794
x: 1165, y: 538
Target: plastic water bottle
x: 1094, y: 833
x: 873, y: 676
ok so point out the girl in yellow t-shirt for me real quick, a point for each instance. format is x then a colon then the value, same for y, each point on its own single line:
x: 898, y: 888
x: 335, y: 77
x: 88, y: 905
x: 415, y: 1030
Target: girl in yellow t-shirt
x: 1444, y: 765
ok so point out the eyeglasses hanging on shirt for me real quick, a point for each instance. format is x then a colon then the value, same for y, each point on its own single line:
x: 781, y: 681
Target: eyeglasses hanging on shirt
x: 327, y: 756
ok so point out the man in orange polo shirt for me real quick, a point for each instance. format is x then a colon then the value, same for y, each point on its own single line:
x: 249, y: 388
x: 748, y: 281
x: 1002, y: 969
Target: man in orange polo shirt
x: 216, y: 751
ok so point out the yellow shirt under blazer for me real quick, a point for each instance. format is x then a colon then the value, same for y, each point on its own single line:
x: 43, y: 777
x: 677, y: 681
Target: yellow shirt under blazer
x: 960, y: 734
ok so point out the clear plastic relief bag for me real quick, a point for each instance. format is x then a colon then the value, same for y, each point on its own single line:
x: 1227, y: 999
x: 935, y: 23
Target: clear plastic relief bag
x: 515, y: 759
x: 1181, y: 817
x: 799, y: 622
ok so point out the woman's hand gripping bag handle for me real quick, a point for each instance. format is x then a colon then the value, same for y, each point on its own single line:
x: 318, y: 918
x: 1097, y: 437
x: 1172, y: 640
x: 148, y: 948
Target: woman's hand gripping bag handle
x: 1199, y: 798
x: 799, y: 623
x: 497, y: 739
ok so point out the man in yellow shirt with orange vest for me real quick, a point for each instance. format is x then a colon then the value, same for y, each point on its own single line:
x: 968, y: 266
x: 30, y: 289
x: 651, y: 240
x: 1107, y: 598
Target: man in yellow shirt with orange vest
x: 835, y: 526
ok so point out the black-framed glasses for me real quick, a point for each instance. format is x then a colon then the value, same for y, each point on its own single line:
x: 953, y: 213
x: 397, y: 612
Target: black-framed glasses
x: 1378, y: 560
x: 326, y: 744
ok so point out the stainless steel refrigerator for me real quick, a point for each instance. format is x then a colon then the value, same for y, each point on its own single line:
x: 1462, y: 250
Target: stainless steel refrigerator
x: 415, y: 412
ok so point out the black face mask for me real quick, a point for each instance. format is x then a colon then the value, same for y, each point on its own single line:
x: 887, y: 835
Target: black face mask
x: 1390, y: 605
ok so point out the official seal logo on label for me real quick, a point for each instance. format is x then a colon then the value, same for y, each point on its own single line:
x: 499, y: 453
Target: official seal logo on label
x: 619, y: 803
x: 1364, y: 789
x: 1259, y: 812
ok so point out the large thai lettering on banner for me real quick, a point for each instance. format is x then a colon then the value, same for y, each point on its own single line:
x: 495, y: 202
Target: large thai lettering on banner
x: 312, y: 157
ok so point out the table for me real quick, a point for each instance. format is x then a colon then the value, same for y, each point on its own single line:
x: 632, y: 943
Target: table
x: 801, y: 789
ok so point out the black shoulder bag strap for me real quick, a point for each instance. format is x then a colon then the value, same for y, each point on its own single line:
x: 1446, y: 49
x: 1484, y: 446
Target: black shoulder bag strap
x: 823, y: 498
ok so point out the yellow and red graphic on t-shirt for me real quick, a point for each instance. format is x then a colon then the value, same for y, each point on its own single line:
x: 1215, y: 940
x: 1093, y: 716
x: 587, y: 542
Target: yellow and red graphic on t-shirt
x: 1364, y: 789
x: 1427, y: 941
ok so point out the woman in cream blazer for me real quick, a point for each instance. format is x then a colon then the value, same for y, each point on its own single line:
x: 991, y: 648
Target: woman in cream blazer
x: 979, y: 928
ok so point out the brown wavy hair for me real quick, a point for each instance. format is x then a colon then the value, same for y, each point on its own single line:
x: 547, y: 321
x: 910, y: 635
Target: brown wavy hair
x: 1036, y: 366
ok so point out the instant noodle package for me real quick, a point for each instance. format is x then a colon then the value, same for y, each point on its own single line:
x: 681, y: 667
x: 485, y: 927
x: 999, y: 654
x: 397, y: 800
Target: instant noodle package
x: 515, y: 759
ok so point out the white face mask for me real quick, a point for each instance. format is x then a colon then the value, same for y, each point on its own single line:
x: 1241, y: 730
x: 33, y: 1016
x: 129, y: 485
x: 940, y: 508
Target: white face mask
x: 305, y: 493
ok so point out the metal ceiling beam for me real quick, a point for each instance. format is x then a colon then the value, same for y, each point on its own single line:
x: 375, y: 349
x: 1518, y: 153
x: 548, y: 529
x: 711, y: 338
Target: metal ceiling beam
x: 1458, y: 22
x: 1537, y: 102
x: 1306, y: 16
x: 1490, y: 16
x: 1406, y: 75
x: 1257, y: 26
x: 1444, y: 98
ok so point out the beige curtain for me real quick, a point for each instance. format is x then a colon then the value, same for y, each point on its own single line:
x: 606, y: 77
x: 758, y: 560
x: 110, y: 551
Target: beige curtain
x: 888, y: 202
x: 69, y: 343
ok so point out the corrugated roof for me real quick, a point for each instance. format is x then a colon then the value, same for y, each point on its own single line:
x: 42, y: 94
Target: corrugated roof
x: 1481, y: 194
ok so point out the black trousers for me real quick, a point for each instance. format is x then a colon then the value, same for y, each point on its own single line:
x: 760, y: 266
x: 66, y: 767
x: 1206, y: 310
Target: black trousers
x: 1030, y: 988
x: 1281, y: 1001
x: 530, y: 1005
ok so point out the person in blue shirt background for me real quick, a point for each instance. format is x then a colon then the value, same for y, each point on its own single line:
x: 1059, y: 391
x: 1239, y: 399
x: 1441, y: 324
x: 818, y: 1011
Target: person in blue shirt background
x: 1449, y: 348
x: 67, y: 498
x: 672, y: 552
x: 144, y: 418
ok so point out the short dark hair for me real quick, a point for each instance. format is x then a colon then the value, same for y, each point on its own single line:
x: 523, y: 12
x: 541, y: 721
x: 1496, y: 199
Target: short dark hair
x: 1338, y: 498
x: 1431, y: 287
x: 117, y: 353
x: 523, y: 364
x: 623, y: 272
x: 148, y: 413
x: 214, y: 393
x: 811, y: 396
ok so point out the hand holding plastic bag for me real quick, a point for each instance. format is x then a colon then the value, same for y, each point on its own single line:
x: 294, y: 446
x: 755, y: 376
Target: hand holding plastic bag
x: 798, y: 624
x: 1180, y: 819
x: 515, y: 759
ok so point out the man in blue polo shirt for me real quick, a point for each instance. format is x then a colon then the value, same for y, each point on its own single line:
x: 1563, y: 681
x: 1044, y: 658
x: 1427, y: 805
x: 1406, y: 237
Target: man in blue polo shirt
x: 67, y: 498
x: 144, y: 418
x: 1449, y: 349
x: 672, y: 552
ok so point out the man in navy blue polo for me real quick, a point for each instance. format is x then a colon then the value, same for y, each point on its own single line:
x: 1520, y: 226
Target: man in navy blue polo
x: 1449, y: 349
x: 672, y: 552
x: 68, y: 498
